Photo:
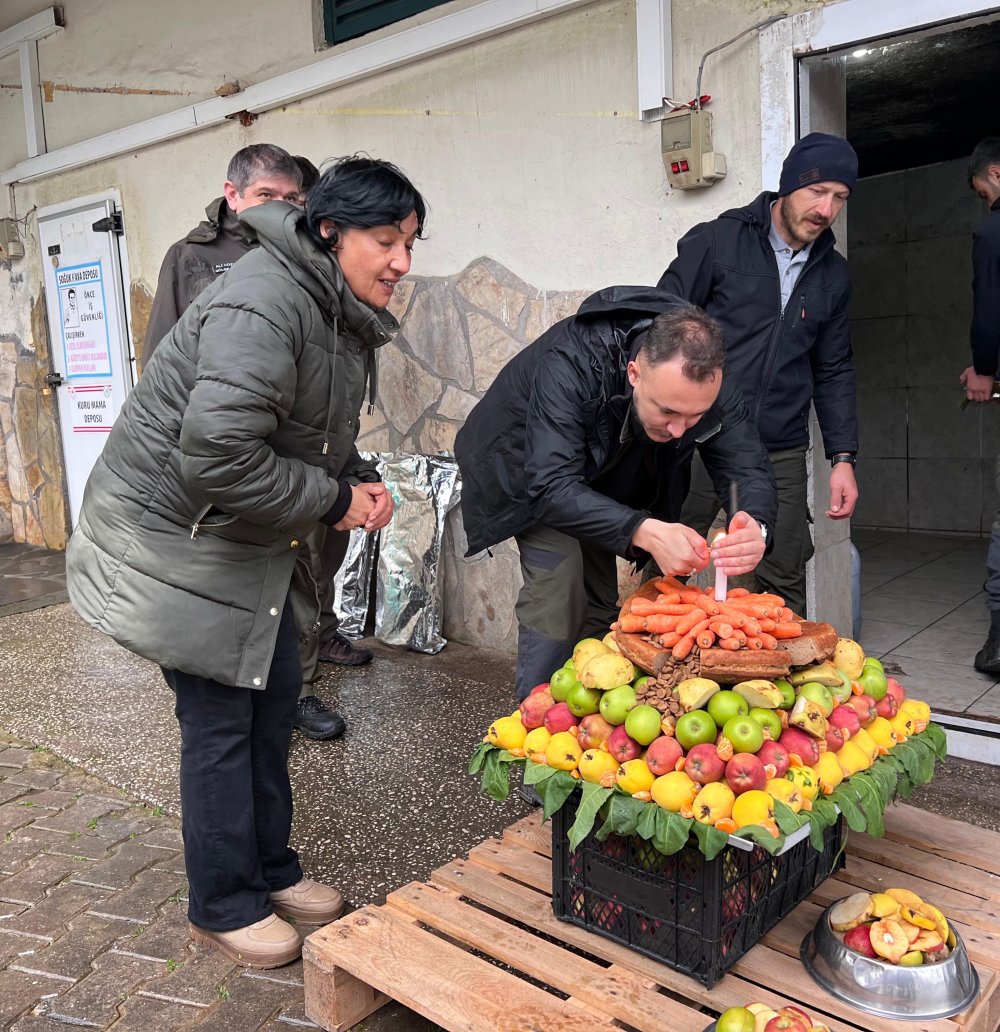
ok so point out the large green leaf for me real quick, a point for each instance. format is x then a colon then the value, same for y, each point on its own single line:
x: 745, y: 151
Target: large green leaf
x: 711, y: 841
x: 788, y: 820
x: 926, y: 760
x: 847, y: 798
x: 936, y: 738
x: 496, y: 776
x: 555, y: 791
x: 478, y: 757
x: 646, y: 826
x: 672, y: 831
x: 592, y: 799
x: 535, y: 773
x: 762, y: 836
x: 873, y: 806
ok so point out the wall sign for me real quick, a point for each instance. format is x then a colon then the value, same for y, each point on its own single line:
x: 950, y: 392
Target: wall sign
x: 83, y: 318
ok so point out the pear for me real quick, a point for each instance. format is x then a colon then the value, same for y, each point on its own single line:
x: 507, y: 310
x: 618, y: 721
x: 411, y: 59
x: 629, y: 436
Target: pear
x: 825, y: 673
x: 607, y: 671
x: 585, y: 650
x: 809, y: 716
x: 693, y: 692
x: 849, y: 656
x: 759, y: 692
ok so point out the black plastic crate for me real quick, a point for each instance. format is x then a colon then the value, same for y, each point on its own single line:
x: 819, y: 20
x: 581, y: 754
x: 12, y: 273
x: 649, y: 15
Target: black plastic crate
x: 695, y: 915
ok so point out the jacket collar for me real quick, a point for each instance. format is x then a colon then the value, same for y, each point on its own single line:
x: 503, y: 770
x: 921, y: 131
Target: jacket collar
x: 758, y: 215
x: 221, y: 221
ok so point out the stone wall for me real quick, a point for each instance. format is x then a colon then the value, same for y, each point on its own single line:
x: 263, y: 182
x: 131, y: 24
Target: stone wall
x: 457, y: 333
x: 32, y: 483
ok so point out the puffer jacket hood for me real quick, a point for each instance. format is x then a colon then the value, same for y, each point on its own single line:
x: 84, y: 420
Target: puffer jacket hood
x: 224, y: 456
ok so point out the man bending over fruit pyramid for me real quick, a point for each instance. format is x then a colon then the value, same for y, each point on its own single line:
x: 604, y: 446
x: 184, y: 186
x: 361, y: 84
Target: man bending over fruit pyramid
x: 581, y: 451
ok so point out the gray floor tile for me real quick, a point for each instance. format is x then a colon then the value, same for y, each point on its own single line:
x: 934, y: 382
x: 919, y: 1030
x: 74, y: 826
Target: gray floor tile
x: 957, y: 566
x: 871, y: 581
x: 987, y: 706
x: 970, y: 616
x: 865, y: 537
x: 946, y: 687
x: 880, y: 636
x: 943, y: 645
x: 928, y: 589
x: 879, y: 605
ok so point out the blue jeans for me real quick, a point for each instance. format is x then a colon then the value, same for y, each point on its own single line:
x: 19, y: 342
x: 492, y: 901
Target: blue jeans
x: 236, y: 799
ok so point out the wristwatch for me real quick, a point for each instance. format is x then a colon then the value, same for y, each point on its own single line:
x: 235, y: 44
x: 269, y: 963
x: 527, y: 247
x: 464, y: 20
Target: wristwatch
x: 848, y: 457
x: 763, y: 530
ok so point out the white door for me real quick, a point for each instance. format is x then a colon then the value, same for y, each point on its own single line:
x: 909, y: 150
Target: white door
x: 83, y: 255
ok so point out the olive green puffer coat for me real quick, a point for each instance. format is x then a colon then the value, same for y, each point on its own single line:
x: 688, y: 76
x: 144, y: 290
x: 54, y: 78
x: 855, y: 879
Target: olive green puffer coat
x: 225, y: 456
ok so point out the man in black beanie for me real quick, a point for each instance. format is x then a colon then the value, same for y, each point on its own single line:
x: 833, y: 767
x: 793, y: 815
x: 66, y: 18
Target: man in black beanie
x: 768, y: 272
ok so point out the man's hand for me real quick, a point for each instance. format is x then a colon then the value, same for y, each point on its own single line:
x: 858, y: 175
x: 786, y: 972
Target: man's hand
x: 843, y: 491
x: 382, y: 508
x: 677, y: 549
x: 741, y: 549
x: 977, y: 387
x: 360, y: 509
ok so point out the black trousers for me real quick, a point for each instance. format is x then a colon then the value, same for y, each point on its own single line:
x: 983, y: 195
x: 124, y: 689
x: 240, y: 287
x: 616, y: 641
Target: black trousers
x: 236, y: 799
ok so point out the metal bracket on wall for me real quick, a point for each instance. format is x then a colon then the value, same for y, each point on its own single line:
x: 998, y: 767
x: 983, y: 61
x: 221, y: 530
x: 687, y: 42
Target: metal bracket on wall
x: 114, y: 223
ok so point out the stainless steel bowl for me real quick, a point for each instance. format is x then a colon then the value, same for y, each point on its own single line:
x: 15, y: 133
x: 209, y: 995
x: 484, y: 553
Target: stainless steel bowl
x: 889, y: 990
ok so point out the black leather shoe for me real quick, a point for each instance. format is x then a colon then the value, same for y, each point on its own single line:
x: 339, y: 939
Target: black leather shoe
x: 987, y: 659
x: 316, y: 720
x: 343, y: 652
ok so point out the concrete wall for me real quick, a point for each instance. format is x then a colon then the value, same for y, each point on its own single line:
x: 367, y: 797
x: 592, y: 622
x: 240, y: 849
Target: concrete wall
x: 926, y: 464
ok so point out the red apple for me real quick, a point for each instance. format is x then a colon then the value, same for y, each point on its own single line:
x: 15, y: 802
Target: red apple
x: 559, y: 718
x: 800, y: 744
x: 785, y: 1023
x: 834, y: 738
x: 886, y: 707
x: 543, y: 687
x: 895, y: 689
x: 663, y: 754
x: 860, y: 940
x: 776, y: 753
x: 703, y: 764
x: 535, y: 706
x: 594, y: 729
x: 796, y: 1012
x: 744, y: 772
x: 846, y: 718
x: 864, y: 706
x: 621, y: 746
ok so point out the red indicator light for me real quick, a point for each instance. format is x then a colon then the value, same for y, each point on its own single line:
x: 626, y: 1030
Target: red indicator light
x: 674, y: 167
x: 685, y: 167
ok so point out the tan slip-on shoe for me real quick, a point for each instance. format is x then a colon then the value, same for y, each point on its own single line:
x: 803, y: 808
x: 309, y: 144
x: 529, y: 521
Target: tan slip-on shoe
x: 268, y: 943
x: 308, y: 901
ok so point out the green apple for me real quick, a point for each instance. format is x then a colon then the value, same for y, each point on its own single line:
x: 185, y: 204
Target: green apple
x: 725, y: 704
x: 643, y: 724
x: 818, y: 693
x: 874, y: 683
x: 744, y: 732
x: 639, y: 682
x: 872, y: 661
x: 768, y: 718
x: 736, y: 1019
x: 561, y: 682
x: 694, y: 728
x: 843, y: 691
x: 583, y: 701
x: 787, y: 693
x: 616, y: 703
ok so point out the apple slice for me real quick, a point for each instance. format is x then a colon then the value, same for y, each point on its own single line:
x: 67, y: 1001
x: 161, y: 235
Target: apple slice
x: 928, y: 942
x: 912, y: 931
x: 851, y: 911
x: 889, y: 940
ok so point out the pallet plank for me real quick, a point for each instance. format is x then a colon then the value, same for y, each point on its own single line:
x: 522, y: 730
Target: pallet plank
x: 458, y: 991
x: 943, y: 836
x: 620, y: 994
x: 527, y: 867
x: 531, y: 833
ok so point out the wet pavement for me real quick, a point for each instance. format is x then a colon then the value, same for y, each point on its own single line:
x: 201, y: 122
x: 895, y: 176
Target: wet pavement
x: 30, y: 577
x: 385, y: 805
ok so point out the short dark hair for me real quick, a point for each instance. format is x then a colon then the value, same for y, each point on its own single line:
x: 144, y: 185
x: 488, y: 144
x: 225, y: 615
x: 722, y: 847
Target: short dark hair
x: 690, y: 333
x: 987, y: 153
x: 310, y: 173
x: 359, y: 192
x: 251, y: 163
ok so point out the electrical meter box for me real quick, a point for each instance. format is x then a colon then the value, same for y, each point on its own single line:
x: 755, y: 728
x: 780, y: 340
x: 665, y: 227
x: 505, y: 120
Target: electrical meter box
x: 686, y: 142
x: 10, y: 242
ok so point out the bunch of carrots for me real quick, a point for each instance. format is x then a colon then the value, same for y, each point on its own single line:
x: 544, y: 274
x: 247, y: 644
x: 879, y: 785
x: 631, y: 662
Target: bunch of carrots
x: 684, y: 616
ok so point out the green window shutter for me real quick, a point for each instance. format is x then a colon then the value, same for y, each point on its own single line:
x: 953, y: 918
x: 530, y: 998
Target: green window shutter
x: 345, y: 19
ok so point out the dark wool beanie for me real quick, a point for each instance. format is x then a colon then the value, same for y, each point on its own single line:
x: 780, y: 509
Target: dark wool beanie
x: 819, y: 158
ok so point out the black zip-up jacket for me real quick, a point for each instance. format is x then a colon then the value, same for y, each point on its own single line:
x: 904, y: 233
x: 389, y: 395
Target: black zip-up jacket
x: 985, y: 333
x: 783, y: 360
x: 557, y: 417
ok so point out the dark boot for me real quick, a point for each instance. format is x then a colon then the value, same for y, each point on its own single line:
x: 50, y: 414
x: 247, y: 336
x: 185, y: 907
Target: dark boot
x: 343, y: 652
x: 988, y: 657
x: 316, y: 720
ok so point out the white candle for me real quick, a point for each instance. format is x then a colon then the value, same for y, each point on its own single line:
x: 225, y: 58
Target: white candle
x: 720, y: 577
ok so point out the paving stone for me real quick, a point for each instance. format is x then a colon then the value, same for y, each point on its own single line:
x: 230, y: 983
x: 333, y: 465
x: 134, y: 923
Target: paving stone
x: 7, y: 772
x: 78, y: 781
x: 173, y: 862
x: 294, y: 1013
x: 118, y: 829
x: 145, y: 1014
x: 27, y: 843
x: 29, y: 885
x: 196, y: 979
x: 140, y: 902
x: 15, y: 947
x: 249, y: 1005
x: 13, y: 816
x: 38, y: 777
x: 42, y: 1024
x: 166, y: 836
x: 76, y: 817
x: 10, y: 790
x: 166, y: 938
x: 15, y: 756
x: 20, y: 992
x: 95, y: 1000
x: 72, y: 954
x: 50, y: 798
x: 118, y: 870
x: 288, y: 974
x: 49, y: 917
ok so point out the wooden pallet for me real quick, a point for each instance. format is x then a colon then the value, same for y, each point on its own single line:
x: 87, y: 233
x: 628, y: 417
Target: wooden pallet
x: 478, y: 948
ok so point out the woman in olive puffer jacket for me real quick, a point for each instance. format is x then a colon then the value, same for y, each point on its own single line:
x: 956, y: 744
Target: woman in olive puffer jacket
x: 237, y: 440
